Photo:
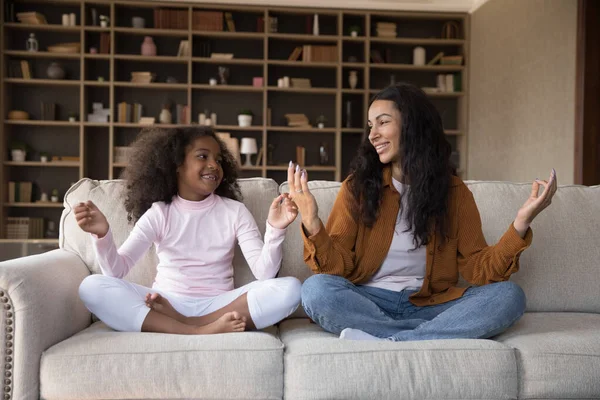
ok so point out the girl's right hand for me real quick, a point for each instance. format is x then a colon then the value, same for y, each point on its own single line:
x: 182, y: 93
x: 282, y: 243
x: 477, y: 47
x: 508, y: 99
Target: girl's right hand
x: 90, y: 219
x: 301, y: 195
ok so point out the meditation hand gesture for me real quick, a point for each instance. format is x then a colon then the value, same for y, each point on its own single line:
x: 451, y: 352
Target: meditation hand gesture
x: 301, y: 195
x: 535, y: 204
x: 90, y: 219
x: 283, y: 212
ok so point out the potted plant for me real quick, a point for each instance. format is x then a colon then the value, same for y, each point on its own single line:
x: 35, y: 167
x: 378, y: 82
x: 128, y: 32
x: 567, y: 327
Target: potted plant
x: 245, y: 117
x: 72, y: 117
x: 354, y: 30
x: 321, y: 120
x: 18, y: 151
x: 43, y: 157
x: 54, y: 196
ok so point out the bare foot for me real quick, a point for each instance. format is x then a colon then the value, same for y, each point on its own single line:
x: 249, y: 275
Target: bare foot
x: 159, y: 304
x: 228, y: 322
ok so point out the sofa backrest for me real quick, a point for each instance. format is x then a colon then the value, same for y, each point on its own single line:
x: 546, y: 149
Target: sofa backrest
x: 559, y: 272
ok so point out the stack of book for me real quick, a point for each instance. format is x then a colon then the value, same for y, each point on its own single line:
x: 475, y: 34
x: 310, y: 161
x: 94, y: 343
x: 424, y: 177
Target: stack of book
x: 142, y: 77
x: 303, y: 83
x: 124, y: 112
x: 207, y: 21
x: 20, y: 192
x: 19, y: 69
x: 104, y: 43
x: 170, y: 19
x: 300, y: 156
x: 386, y: 29
x: 297, y: 120
x: 48, y: 111
x: 24, y: 228
x: 33, y: 18
x: 316, y: 53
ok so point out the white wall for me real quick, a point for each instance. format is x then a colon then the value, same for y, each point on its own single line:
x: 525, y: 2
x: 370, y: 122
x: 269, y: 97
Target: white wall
x: 522, y: 90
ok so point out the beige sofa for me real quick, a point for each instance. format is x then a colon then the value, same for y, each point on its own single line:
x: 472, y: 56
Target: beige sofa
x: 52, y: 348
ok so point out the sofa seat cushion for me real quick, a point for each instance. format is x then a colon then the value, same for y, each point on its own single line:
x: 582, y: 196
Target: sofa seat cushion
x: 99, y: 363
x: 319, y: 365
x: 558, y: 355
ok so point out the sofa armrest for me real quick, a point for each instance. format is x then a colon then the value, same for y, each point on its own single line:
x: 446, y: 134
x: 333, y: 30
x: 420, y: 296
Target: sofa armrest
x: 39, y: 307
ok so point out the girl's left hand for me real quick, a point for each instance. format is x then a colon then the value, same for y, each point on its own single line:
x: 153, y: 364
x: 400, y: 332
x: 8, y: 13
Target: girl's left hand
x: 535, y: 204
x: 283, y: 212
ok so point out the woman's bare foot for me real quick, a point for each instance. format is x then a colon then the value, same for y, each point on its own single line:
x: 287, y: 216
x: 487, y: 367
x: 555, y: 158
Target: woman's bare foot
x: 159, y: 304
x: 228, y: 322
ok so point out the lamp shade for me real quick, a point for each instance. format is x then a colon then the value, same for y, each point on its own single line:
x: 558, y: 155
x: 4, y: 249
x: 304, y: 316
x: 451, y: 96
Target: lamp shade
x: 248, y: 146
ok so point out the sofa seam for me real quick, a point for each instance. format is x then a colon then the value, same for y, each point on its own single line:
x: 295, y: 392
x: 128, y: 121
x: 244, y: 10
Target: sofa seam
x: 8, y: 338
x: 163, y: 352
x: 512, y: 350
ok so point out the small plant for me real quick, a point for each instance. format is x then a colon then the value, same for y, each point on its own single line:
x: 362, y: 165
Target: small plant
x: 44, y: 154
x: 354, y: 28
x: 321, y: 119
x: 54, y: 193
x: 18, y: 146
x: 246, y: 111
x: 73, y: 117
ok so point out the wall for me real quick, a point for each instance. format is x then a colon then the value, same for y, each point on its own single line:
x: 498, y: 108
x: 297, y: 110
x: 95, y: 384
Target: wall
x: 522, y: 94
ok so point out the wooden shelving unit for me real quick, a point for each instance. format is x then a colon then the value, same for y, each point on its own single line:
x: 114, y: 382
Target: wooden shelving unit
x: 256, y: 54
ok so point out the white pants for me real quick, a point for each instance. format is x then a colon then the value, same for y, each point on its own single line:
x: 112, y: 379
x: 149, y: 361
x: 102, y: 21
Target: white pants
x: 121, y: 304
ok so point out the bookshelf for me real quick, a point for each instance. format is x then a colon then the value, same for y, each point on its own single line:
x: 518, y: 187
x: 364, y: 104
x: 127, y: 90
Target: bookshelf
x: 259, y: 51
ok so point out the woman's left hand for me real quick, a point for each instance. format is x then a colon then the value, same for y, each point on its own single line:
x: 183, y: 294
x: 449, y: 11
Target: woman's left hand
x: 535, y: 204
x: 283, y: 212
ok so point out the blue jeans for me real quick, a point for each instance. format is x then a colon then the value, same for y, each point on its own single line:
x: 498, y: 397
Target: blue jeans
x: 335, y: 303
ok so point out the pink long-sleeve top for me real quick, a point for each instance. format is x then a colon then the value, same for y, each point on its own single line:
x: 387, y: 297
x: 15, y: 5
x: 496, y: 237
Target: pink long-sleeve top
x: 195, y: 242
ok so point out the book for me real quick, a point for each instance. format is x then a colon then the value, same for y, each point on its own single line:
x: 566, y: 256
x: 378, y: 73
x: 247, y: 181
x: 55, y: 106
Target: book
x: 229, y: 21
x: 437, y: 58
x: 300, y: 154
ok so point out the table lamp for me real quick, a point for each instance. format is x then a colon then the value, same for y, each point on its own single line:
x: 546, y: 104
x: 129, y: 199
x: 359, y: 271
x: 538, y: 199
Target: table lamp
x: 248, y: 148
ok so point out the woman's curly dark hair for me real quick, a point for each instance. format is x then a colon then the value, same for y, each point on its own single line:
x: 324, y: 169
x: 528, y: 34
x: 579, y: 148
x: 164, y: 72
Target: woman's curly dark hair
x: 425, y: 162
x: 151, y: 174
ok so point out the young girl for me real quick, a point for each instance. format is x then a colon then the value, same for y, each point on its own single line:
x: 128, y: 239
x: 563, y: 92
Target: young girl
x: 182, y: 194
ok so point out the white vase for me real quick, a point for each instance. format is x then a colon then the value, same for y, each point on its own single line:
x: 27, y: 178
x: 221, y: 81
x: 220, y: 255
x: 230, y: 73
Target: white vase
x: 43, y: 159
x: 353, y: 79
x: 18, y: 155
x: 165, y: 116
x: 419, y: 56
x: 244, y: 120
x: 54, y: 199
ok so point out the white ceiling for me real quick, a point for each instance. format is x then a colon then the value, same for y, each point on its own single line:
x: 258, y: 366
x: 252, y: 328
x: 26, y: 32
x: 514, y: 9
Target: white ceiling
x: 399, y: 5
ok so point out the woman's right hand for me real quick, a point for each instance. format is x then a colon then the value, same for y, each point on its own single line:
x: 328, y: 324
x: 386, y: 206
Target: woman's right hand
x: 301, y: 195
x: 90, y: 219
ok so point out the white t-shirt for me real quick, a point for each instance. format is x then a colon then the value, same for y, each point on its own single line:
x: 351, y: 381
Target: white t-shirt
x: 195, y: 242
x: 403, y: 267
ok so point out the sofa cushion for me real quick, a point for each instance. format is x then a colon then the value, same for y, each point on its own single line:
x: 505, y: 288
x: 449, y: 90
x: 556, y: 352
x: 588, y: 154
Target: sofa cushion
x: 319, y: 365
x: 558, y: 355
x: 108, y: 196
x: 100, y: 363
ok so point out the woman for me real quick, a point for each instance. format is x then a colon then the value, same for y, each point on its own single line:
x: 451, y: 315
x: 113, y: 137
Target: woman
x: 402, y: 228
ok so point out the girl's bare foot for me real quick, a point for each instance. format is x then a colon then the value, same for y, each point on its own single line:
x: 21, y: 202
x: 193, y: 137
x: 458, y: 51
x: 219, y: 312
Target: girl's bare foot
x: 228, y: 322
x: 159, y: 304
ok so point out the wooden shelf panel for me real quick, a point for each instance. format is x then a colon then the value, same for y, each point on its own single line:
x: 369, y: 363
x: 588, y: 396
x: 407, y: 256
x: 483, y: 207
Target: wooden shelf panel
x: 354, y: 91
x: 242, y: 61
x: 152, y: 31
x: 314, y: 90
x: 353, y: 65
x: 157, y: 59
x: 49, y: 164
x: 140, y: 126
x: 239, y: 128
x: 153, y: 85
x: 96, y: 29
x: 97, y: 124
x: 294, y: 129
x: 419, y: 41
x: 304, y: 37
x: 308, y: 64
x: 229, y: 88
x: 252, y: 168
x: 230, y: 35
x: 41, y: 54
x: 30, y: 241
x: 42, y: 27
x: 309, y: 168
x: 410, y: 67
x: 42, y: 123
x: 96, y: 83
x: 433, y: 95
x: 54, y: 82
x: 35, y: 205
x: 97, y: 56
